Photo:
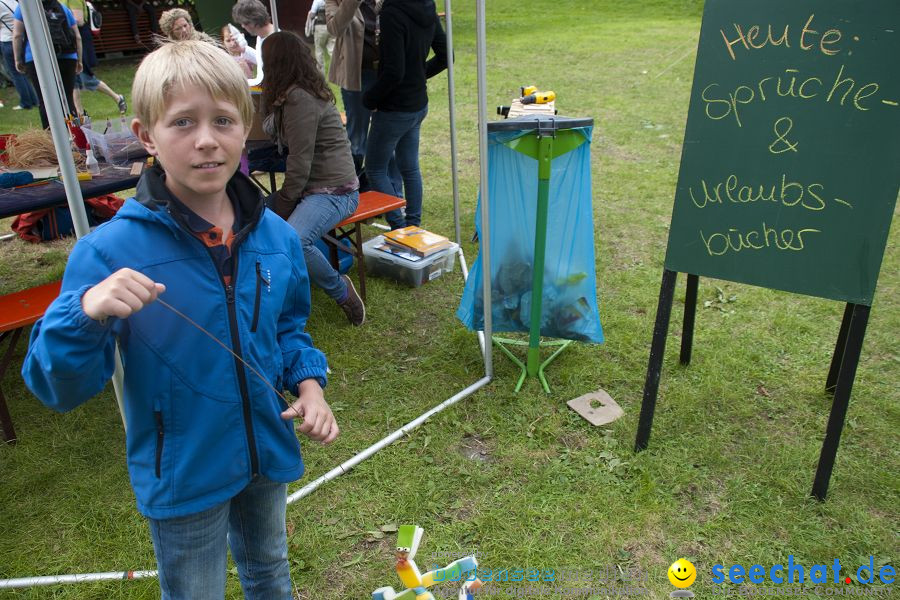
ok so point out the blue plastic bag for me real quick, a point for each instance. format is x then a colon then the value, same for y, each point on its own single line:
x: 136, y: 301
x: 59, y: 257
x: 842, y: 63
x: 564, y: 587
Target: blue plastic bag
x: 569, y: 308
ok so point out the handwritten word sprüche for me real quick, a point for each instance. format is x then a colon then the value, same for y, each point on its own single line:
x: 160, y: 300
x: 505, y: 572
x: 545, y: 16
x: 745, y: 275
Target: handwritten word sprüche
x: 808, y: 38
x: 788, y: 85
x: 787, y: 193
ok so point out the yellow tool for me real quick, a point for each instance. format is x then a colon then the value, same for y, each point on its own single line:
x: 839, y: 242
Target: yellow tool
x: 527, y: 89
x: 539, y: 97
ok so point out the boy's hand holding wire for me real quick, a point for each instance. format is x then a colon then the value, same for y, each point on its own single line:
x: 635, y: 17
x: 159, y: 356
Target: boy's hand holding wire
x: 120, y: 295
x: 318, y: 421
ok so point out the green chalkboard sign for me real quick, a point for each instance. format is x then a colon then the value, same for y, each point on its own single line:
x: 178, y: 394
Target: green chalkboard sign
x: 791, y: 160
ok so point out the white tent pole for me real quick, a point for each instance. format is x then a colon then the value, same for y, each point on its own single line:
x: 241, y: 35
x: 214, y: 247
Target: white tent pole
x: 48, y: 74
x: 454, y: 156
x: 485, y: 233
x: 451, y: 93
x: 464, y: 267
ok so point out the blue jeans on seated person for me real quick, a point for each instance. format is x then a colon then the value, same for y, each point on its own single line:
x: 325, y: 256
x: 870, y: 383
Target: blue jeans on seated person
x: 191, y: 551
x: 397, y: 134
x: 314, y: 216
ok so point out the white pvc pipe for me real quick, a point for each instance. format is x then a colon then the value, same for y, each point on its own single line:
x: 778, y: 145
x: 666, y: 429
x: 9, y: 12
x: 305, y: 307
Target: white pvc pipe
x: 118, y: 381
x: 48, y: 75
x: 23, y: 582
x: 485, y: 234
x: 465, y: 273
x: 49, y: 79
x: 451, y: 93
x: 387, y: 441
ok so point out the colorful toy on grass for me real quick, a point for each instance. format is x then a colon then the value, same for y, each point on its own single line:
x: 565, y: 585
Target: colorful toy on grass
x: 417, y: 584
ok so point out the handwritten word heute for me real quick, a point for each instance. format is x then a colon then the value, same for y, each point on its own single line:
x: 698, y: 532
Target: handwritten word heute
x: 718, y: 244
x: 785, y: 86
x: 788, y: 193
x: 751, y: 39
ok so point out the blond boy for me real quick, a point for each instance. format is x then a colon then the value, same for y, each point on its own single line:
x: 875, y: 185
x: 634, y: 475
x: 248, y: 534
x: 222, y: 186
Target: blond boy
x: 210, y: 444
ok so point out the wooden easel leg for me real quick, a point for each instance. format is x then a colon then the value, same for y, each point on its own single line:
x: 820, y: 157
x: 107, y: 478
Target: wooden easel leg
x: 856, y: 332
x: 839, y: 347
x: 690, y: 312
x: 657, y: 350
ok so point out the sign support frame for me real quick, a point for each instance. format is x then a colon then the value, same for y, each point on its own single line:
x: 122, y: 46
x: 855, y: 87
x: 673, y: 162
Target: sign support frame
x: 839, y: 383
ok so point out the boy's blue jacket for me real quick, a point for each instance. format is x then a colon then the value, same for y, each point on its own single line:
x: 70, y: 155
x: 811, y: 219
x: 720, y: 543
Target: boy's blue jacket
x: 199, y: 423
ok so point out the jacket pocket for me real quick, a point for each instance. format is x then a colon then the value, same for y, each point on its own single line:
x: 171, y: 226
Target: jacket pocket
x: 260, y: 280
x: 160, y: 438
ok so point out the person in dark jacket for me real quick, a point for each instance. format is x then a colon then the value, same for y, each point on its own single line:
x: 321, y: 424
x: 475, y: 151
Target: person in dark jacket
x: 409, y: 29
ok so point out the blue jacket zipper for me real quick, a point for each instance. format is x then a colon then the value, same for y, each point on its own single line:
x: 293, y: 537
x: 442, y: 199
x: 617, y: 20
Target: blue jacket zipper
x: 259, y: 281
x: 235, y: 342
x: 241, y: 372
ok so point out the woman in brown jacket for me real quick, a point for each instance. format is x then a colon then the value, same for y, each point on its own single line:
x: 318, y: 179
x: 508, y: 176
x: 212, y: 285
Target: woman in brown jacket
x: 354, y: 67
x: 320, y: 187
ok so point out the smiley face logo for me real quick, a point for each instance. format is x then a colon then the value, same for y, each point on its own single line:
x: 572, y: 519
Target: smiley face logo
x: 682, y: 573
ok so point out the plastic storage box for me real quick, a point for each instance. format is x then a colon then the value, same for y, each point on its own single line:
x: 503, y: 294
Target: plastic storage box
x: 383, y: 264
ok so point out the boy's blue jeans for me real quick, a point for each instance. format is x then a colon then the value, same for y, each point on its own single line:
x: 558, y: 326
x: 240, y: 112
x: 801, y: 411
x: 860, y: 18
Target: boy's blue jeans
x: 313, y: 217
x: 191, y: 551
x: 397, y: 134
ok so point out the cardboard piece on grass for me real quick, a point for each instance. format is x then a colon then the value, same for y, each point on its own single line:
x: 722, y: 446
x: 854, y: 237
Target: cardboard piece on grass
x: 598, y: 408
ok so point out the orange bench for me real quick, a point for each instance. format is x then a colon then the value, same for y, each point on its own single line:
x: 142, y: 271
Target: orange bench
x: 17, y: 311
x: 371, y: 204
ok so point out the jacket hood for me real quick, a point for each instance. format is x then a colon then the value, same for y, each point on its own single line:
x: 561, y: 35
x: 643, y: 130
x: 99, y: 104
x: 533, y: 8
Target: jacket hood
x: 421, y: 12
x: 153, y: 198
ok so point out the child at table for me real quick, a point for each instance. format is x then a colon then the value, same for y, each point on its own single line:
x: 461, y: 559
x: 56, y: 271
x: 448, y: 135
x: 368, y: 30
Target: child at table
x: 210, y: 444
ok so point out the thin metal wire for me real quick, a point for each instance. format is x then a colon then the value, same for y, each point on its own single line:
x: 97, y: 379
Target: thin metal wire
x: 227, y: 349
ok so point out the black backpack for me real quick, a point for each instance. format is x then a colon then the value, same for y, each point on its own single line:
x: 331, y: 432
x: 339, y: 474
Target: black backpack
x: 61, y: 34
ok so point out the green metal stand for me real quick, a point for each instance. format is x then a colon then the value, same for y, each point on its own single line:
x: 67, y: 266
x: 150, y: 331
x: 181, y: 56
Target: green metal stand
x: 544, y: 145
x: 540, y: 368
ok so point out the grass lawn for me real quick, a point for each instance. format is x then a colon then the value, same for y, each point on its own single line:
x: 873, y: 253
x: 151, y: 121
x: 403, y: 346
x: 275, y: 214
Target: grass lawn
x: 520, y: 477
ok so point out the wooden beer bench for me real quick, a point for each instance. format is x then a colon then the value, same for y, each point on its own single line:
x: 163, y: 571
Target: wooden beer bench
x: 17, y: 311
x: 371, y: 205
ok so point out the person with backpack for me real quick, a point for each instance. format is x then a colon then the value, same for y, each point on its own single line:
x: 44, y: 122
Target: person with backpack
x: 66, y: 45
x: 27, y: 98
x: 87, y: 80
